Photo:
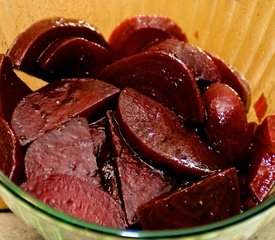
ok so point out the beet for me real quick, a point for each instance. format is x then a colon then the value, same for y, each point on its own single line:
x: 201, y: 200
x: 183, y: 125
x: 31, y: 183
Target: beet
x: 139, y: 182
x: 210, y: 200
x: 77, y: 198
x: 12, y: 89
x: 135, y: 33
x: 56, y: 103
x: 156, y: 133
x: 162, y: 77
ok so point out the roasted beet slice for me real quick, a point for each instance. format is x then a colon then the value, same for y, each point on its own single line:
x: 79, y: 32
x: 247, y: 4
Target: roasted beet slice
x: 196, y: 60
x: 139, y: 182
x: 135, y: 33
x: 210, y: 200
x: 77, y: 198
x: 232, y: 78
x: 12, y: 89
x: 28, y: 46
x: 156, y: 133
x: 12, y: 160
x: 162, y: 77
x: 262, y: 162
x: 69, y: 57
x: 226, y: 125
x: 57, y: 102
x: 67, y: 149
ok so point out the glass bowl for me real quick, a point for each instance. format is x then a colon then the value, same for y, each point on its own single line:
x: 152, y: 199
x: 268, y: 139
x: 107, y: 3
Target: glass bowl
x: 241, y: 32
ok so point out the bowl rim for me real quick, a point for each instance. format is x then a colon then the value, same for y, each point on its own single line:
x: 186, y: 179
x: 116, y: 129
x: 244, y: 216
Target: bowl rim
x: 32, y: 202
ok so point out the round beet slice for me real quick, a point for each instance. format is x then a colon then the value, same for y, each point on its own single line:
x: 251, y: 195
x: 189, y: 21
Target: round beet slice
x: 226, y: 125
x: 196, y: 60
x: 162, y: 77
x: 12, y: 162
x: 28, y: 46
x: 69, y: 57
x: 135, y: 33
x: 157, y: 134
x: 77, y: 198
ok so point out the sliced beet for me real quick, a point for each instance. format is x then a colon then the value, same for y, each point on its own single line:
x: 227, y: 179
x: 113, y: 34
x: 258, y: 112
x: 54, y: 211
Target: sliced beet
x: 139, y: 182
x: 262, y: 163
x: 70, y: 57
x: 135, y: 33
x: 232, y: 78
x: 11, y: 157
x: 28, y: 45
x: 12, y: 89
x: 77, y: 198
x: 156, y: 133
x: 196, y: 60
x: 210, y: 200
x: 162, y: 77
x: 67, y: 149
x: 226, y: 125
x: 57, y: 102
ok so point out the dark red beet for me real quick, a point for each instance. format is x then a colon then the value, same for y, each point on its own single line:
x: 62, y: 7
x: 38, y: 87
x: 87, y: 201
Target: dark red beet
x: 163, y: 78
x: 156, y: 133
x: 262, y: 162
x: 135, y: 33
x: 12, y: 89
x: 195, y: 59
x: 28, y: 46
x: 77, y: 198
x: 139, y: 182
x: 57, y: 102
x: 233, y: 79
x: 11, y: 157
x: 260, y: 107
x: 67, y: 149
x: 226, y: 125
x: 213, y: 199
x: 69, y: 57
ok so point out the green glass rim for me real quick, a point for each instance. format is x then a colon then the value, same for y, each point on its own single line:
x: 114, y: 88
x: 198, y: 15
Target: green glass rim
x: 66, y: 219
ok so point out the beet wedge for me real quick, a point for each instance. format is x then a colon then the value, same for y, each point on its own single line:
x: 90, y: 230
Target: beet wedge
x: 261, y: 169
x: 12, y: 89
x: 161, y: 77
x: 156, y: 133
x: 67, y: 149
x: 139, y: 182
x: 11, y: 157
x: 57, y: 102
x: 135, y: 33
x: 77, y: 198
x: 73, y: 57
x: 28, y: 46
x: 210, y: 200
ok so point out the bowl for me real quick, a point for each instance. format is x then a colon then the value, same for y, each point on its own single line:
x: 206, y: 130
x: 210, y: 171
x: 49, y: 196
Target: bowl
x: 240, y: 32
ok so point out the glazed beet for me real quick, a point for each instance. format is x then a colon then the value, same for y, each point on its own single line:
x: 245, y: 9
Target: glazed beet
x: 161, y: 77
x: 77, y: 198
x: 135, y: 33
x: 156, y: 133
x: 70, y: 57
x: 139, y: 182
x: 28, y: 46
x: 12, y: 89
x: 195, y: 59
x: 262, y: 163
x: 213, y: 199
x: 56, y: 103
x: 12, y: 162
x: 67, y: 149
x: 226, y: 125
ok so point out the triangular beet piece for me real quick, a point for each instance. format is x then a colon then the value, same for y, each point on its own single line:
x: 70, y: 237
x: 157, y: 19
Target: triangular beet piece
x: 67, y: 149
x: 139, y: 182
x: 212, y: 199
